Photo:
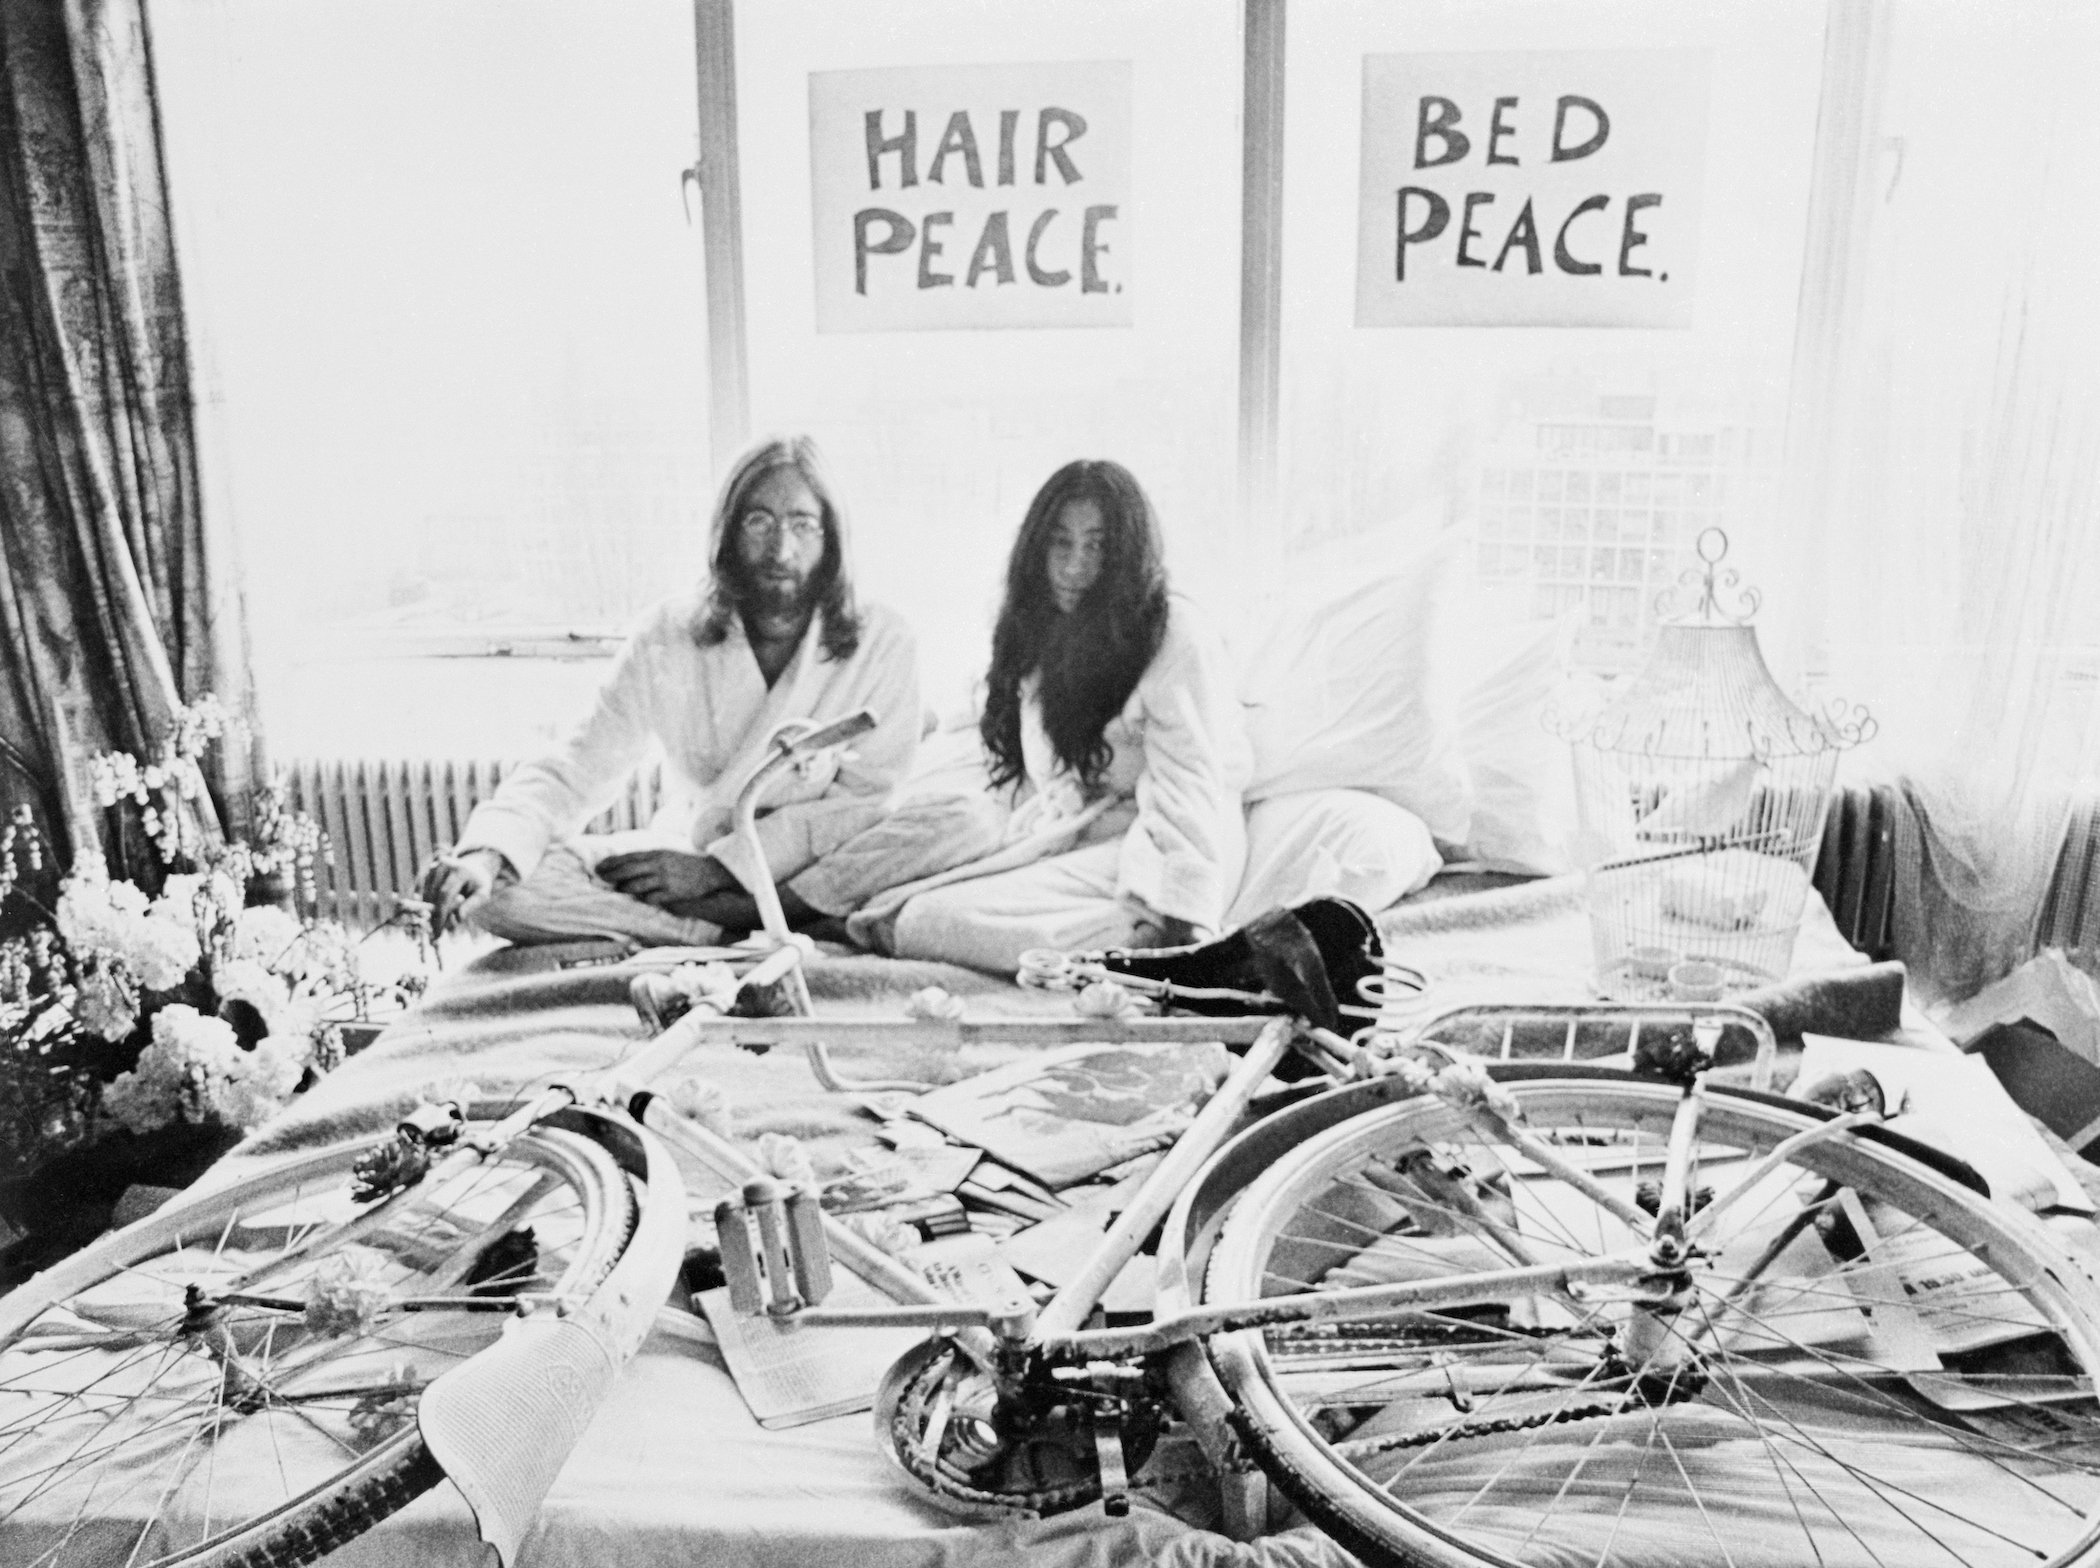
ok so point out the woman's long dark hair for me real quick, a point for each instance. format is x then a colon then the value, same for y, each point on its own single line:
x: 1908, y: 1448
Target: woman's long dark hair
x: 1086, y: 663
x: 728, y: 586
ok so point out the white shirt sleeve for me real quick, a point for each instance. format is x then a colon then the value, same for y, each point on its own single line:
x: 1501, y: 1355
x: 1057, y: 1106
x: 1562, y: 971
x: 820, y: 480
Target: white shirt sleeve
x: 552, y: 798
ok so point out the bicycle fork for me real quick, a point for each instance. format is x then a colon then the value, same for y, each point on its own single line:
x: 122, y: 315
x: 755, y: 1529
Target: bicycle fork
x: 1662, y: 1361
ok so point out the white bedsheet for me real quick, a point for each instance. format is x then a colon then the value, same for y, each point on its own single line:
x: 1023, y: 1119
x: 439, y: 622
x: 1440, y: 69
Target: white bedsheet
x: 675, y: 1472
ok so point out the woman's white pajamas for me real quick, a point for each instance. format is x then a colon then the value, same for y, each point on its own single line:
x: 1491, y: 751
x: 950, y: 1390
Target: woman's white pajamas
x: 1162, y: 834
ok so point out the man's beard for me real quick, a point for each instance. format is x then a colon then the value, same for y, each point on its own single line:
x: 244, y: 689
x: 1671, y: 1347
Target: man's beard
x: 776, y: 599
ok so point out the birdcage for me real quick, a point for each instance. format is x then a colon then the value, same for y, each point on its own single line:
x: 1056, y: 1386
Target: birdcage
x: 1700, y: 796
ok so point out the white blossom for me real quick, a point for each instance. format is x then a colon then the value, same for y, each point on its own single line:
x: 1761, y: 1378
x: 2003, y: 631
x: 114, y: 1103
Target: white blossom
x: 265, y: 934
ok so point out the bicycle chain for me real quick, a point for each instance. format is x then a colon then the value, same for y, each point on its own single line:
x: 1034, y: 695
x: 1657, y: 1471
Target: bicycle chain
x: 1498, y: 1426
x: 1154, y: 1478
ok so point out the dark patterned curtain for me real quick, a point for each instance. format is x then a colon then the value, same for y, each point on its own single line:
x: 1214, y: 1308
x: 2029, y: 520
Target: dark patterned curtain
x: 115, y: 599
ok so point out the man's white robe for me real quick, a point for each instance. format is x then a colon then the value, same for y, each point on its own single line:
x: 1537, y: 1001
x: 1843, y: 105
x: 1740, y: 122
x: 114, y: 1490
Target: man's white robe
x: 709, y: 710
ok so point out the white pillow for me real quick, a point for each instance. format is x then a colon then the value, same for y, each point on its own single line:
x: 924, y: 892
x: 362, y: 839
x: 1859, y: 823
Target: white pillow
x: 949, y: 761
x: 1336, y: 686
x: 1503, y: 675
x: 1339, y: 843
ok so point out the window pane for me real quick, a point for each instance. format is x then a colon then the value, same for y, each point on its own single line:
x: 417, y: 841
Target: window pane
x: 1573, y: 414
x: 447, y: 319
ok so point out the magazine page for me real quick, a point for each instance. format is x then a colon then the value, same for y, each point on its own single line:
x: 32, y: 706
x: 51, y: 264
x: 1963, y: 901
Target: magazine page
x: 1073, y: 1112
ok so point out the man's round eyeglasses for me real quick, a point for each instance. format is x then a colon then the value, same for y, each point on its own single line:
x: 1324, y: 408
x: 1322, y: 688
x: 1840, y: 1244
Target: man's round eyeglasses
x: 759, y: 526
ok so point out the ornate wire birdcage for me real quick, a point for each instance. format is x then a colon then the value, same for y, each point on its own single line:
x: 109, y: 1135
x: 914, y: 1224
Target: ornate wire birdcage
x: 1700, y: 796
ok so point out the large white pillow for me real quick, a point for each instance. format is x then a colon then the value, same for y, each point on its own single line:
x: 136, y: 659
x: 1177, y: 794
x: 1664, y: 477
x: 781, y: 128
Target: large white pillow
x: 1337, y: 688
x: 1501, y: 674
x: 1338, y: 843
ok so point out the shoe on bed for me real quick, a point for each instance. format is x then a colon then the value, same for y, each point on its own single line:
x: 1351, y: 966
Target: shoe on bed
x: 1309, y: 957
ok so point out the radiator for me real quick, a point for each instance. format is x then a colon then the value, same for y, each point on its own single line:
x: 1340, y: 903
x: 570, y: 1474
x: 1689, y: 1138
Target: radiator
x: 1855, y: 873
x: 2069, y: 918
x: 384, y: 820
x: 1856, y: 867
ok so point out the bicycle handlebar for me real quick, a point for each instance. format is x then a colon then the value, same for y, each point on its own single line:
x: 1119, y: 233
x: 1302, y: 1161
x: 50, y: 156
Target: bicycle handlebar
x: 789, y: 746
x: 837, y: 732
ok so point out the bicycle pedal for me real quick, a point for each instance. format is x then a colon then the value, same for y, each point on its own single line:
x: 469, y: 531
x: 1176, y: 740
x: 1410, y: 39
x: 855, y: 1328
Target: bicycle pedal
x: 1108, y: 1455
x: 775, y: 1259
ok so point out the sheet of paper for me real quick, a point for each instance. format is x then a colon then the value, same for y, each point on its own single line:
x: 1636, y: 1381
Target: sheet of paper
x: 1067, y: 1114
x: 968, y: 1268
x: 1955, y: 1103
x: 791, y: 1374
x: 903, y: 1175
x: 1056, y: 1250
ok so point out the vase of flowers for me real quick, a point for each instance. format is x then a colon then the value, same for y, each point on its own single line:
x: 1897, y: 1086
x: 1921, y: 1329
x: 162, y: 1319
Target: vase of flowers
x: 142, y: 1034
x: 284, y: 846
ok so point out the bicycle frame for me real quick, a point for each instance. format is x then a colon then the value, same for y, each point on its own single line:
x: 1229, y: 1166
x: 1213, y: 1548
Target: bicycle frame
x: 1650, y: 1275
x: 776, y: 1247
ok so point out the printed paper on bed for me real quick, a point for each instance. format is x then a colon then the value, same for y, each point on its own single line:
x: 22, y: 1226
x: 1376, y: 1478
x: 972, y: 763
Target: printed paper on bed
x: 1068, y: 1114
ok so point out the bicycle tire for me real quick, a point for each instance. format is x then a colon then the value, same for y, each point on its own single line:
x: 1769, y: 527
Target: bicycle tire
x: 1530, y: 1451
x: 552, y: 1212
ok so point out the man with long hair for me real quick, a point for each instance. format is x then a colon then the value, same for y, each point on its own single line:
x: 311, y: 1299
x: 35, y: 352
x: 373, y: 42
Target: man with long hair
x: 1113, y: 746
x: 774, y: 634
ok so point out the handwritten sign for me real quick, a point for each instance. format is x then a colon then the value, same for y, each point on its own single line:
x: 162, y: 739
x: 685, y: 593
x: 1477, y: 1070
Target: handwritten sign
x: 1536, y: 189
x: 972, y: 196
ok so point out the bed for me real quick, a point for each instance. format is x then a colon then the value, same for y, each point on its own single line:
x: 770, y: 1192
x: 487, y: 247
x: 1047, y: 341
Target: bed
x: 674, y: 1468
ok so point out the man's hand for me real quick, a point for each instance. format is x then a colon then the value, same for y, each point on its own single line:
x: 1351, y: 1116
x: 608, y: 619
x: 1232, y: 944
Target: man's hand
x: 733, y: 909
x: 454, y: 884
x: 671, y: 879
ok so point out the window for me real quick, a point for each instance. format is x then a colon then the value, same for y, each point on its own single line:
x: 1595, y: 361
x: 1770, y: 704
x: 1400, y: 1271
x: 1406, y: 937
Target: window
x: 446, y: 317
x: 1577, y: 416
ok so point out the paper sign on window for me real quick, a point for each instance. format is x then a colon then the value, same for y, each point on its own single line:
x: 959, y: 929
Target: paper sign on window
x: 1536, y: 189
x: 972, y: 196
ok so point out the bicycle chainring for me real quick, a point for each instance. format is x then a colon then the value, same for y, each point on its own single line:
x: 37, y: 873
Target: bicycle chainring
x: 984, y: 1464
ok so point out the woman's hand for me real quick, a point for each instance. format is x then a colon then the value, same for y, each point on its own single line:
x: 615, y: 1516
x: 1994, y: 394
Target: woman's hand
x: 671, y: 879
x: 1164, y: 931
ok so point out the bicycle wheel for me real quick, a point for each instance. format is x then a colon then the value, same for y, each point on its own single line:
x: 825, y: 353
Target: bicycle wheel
x: 235, y: 1381
x: 1861, y: 1360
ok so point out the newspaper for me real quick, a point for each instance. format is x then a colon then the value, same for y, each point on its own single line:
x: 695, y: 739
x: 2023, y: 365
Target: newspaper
x: 1872, y: 1285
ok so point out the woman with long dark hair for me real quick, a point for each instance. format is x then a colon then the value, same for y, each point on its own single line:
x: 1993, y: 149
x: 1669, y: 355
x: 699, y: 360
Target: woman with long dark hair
x: 1112, y: 742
